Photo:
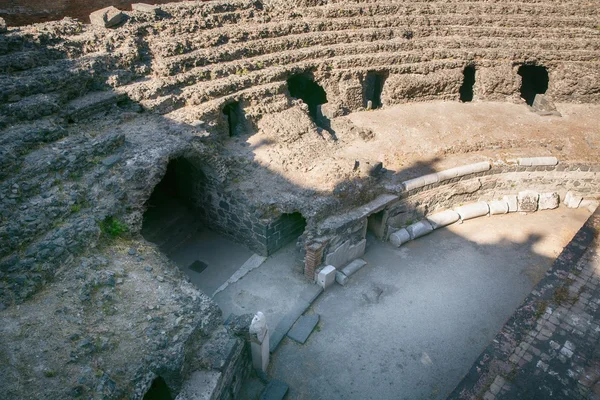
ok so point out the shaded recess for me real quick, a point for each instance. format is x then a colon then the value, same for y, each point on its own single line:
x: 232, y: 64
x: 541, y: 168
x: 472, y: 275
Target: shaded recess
x: 302, y: 86
x: 466, y: 89
x: 284, y: 230
x: 169, y: 219
x: 373, y: 88
x: 534, y: 80
x: 236, y: 120
x: 158, y: 390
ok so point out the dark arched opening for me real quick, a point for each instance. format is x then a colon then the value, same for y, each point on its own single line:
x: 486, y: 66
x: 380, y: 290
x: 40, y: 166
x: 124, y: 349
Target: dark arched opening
x: 158, y: 390
x: 373, y: 89
x: 235, y: 118
x: 303, y: 87
x: 534, y: 80
x: 169, y: 218
x: 466, y: 89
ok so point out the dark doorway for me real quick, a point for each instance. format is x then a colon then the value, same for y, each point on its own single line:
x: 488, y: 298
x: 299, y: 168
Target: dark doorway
x: 158, y: 390
x: 373, y: 88
x: 235, y: 118
x: 466, y: 90
x: 170, y: 218
x: 534, y: 80
x: 302, y: 86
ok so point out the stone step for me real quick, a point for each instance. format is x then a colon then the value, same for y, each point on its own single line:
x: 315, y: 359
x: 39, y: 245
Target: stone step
x: 90, y: 104
x: 303, y: 328
x: 275, y: 390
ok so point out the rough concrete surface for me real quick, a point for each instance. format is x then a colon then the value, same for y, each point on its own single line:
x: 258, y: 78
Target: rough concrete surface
x: 273, y: 288
x: 411, y: 323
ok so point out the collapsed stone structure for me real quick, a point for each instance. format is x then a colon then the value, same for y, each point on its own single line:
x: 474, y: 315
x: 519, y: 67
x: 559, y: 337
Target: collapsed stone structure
x: 93, y: 119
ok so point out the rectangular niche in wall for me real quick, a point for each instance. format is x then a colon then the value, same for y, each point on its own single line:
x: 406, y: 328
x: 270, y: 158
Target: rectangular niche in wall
x: 236, y: 119
x: 373, y: 87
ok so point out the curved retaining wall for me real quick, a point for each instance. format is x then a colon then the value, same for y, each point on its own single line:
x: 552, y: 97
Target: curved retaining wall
x: 340, y: 239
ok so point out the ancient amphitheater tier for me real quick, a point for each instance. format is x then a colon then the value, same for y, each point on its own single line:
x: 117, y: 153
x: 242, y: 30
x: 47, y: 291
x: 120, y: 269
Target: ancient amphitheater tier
x: 168, y: 171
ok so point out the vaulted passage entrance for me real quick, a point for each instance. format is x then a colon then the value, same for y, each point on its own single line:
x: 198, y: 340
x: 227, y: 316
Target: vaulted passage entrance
x: 208, y: 233
x: 466, y: 90
x: 303, y: 87
x: 534, y: 80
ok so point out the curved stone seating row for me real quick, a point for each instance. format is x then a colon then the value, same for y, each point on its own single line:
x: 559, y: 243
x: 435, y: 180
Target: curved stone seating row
x: 525, y: 201
x: 458, y: 194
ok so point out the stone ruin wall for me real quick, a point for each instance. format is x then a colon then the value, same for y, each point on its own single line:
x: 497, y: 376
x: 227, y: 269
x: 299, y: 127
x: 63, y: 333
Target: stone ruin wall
x: 389, y: 212
x: 24, y: 12
x: 90, y: 117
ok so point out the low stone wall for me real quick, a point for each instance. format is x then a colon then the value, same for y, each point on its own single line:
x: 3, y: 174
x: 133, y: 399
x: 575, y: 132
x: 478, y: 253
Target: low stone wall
x: 417, y: 198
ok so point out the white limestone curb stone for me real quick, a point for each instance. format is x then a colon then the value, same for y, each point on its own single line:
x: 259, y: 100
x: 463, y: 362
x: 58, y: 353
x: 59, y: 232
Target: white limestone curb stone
x: 341, y: 278
x: 498, y: 207
x: 399, y: 237
x: 537, y: 161
x: 419, y: 229
x: 473, y: 210
x: 463, y: 170
x: 591, y: 205
x: 444, y: 218
x: 548, y: 201
x: 573, y: 200
x: 511, y: 200
x: 354, y: 266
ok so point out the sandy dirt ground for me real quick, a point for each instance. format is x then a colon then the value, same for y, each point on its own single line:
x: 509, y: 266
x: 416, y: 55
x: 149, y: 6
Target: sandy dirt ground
x: 411, y: 139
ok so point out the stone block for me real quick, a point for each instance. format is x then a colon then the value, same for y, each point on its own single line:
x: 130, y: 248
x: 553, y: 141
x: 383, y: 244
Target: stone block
x: 444, y: 218
x: 143, y: 7
x: 341, y: 278
x: 345, y: 253
x: 202, y: 384
x: 463, y: 170
x: 572, y: 200
x: 419, y: 229
x: 354, y: 266
x: 511, y: 200
x: 303, y: 328
x: 591, y: 205
x: 498, y: 207
x: 542, y: 105
x: 473, y: 210
x: 275, y: 390
x: 326, y: 276
x: 527, y: 201
x: 399, y: 237
x: 107, y: 17
x: 420, y: 181
x: 537, y: 161
x: 548, y: 201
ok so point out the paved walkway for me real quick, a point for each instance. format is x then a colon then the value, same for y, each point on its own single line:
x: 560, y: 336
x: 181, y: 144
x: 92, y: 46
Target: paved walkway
x: 410, y: 324
x: 550, y: 349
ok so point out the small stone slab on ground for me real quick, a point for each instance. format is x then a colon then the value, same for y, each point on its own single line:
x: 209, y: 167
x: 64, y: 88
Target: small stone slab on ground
x: 275, y: 390
x: 107, y: 17
x: 303, y: 328
x: 307, y: 297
